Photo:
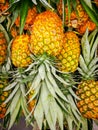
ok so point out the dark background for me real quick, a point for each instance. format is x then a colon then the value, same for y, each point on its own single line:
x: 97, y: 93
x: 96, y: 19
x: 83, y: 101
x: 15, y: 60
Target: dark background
x: 22, y: 126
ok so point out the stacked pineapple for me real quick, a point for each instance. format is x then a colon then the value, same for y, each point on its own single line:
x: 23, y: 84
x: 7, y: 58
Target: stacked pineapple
x: 44, y: 59
x: 88, y: 87
x: 3, y: 96
x: 3, y: 75
x: 3, y: 48
x: 77, y: 17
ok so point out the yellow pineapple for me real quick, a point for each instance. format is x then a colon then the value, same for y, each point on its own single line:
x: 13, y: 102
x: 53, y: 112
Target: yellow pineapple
x: 69, y: 56
x: 17, y: 101
x: 20, y: 53
x: 88, y: 88
x: 3, y: 48
x: 47, y: 34
x: 32, y: 13
x: 3, y: 96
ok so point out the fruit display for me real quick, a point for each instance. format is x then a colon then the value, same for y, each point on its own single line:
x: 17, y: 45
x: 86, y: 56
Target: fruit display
x: 69, y: 56
x: 87, y: 89
x: 3, y: 96
x: 49, y: 64
x: 3, y: 48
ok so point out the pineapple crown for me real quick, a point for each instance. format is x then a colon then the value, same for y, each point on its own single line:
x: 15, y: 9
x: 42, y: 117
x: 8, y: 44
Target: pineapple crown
x: 53, y: 94
x: 88, y: 58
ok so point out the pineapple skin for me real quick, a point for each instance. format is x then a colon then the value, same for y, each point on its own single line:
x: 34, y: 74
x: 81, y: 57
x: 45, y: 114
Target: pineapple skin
x: 69, y: 56
x: 88, y: 93
x: 88, y: 24
x: 20, y: 53
x: 3, y: 96
x: 3, y: 48
x: 4, y: 6
x: 47, y: 34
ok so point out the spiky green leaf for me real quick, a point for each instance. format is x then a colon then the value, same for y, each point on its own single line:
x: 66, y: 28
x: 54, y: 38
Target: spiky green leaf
x: 94, y: 48
x: 14, y: 101
x: 45, y: 97
x: 41, y: 71
x: 90, y: 12
x: 10, y: 86
x: 83, y: 64
x: 55, y: 86
x: 85, y: 47
x: 12, y: 94
x: 14, y: 115
x: 60, y: 117
x: 23, y: 13
x: 46, y: 4
x: 39, y: 114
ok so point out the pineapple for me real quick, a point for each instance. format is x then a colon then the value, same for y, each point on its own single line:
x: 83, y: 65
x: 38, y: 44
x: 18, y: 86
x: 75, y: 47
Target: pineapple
x: 48, y: 93
x: 4, y: 7
x: 47, y: 34
x: 77, y: 17
x: 88, y: 88
x: 69, y: 56
x: 32, y: 13
x: 14, y: 31
x: 20, y: 53
x: 3, y: 97
x: 3, y: 48
x: 17, y: 101
x: 88, y: 24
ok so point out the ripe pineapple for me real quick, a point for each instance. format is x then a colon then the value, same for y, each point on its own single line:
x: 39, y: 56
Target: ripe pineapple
x: 3, y: 7
x: 59, y: 9
x: 14, y: 31
x: 3, y: 97
x: 20, y: 53
x: 88, y: 88
x: 88, y: 24
x: 20, y: 56
x: 77, y: 18
x: 32, y: 13
x: 47, y: 34
x: 69, y: 56
x: 3, y: 48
